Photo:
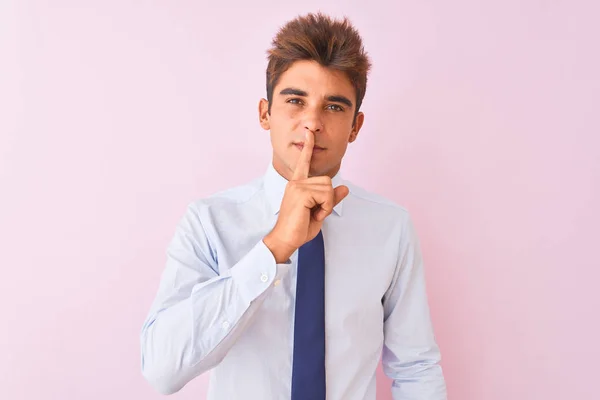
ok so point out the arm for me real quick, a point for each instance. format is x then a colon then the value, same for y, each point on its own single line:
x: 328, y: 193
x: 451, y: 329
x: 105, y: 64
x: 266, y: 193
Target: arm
x: 411, y: 355
x: 199, y: 313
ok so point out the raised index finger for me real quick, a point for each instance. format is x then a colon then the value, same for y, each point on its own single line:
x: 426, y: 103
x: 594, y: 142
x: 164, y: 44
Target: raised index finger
x: 303, y: 164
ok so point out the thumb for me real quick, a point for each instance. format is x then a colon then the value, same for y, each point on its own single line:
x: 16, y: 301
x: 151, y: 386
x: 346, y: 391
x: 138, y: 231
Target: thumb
x: 339, y: 193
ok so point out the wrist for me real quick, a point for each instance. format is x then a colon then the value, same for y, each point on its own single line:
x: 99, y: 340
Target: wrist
x: 281, y: 251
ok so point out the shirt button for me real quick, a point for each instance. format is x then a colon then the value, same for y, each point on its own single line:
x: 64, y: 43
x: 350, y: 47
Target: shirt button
x: 225, y: 325
x: 277, y: 282
x: 264, y: 278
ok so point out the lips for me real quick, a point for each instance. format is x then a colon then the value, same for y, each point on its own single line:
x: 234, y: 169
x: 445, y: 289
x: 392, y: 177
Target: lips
x: 316, y: 149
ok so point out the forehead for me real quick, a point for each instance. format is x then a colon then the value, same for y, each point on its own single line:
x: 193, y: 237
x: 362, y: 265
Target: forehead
x: 315, y: 79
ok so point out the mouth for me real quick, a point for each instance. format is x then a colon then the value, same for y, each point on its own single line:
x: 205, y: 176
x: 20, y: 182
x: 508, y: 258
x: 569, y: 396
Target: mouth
x: 316, y: 149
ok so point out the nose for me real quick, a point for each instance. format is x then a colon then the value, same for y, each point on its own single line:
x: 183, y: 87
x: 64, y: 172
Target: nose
x: 312, y: 122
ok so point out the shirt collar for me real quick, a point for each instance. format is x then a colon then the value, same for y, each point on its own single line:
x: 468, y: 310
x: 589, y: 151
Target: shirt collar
x: 275, y: 184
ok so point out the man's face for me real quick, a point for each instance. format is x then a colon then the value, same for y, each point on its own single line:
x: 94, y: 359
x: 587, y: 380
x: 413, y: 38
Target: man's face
x: 311, y: 97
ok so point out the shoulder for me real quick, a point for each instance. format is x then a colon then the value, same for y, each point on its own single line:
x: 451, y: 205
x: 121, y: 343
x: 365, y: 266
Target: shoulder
x: 375, y: 212
x: 229, y: 198
x: 366, y: 199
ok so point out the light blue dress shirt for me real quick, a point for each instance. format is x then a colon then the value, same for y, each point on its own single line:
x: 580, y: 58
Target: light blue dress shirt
x: 225, y: 305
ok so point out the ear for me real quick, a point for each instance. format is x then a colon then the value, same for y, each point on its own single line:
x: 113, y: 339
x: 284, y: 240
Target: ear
x: 358, y: 123
x: 263, y: 114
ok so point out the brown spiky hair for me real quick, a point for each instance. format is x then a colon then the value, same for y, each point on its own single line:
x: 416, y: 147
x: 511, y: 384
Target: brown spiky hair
x: 332, y: 43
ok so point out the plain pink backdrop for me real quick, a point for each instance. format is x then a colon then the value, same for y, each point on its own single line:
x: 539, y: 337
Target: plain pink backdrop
x: 483, y: 120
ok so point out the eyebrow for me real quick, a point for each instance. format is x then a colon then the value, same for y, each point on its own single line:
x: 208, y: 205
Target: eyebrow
x: 302, y: 93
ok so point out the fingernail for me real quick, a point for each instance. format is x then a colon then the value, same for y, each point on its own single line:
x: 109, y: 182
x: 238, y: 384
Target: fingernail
x: 306, y: 135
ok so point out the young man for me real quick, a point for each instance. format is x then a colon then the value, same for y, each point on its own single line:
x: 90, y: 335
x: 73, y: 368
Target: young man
x: 293, y: 285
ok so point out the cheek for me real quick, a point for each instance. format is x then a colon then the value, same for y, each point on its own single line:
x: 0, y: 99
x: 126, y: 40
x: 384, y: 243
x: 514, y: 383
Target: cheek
x: 339, y: 122
x: 285, y: 121
x: 340, y: 129
x: 291, y: 116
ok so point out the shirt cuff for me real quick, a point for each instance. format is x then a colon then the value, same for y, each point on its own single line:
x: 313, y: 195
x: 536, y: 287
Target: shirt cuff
x: 254, y: 273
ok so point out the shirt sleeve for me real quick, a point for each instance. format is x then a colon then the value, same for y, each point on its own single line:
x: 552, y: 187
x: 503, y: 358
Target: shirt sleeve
x: 198, y: 313
x: 411, y: 356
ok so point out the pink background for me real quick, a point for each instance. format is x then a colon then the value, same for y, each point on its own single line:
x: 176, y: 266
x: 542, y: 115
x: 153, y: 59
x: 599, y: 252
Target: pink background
x: 481, y: 119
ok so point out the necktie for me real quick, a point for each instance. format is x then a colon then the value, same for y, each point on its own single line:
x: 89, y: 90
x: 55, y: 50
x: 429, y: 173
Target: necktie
x: 308, y: 369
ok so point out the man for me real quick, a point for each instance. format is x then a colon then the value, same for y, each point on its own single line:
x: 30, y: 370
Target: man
x: 293, y: 285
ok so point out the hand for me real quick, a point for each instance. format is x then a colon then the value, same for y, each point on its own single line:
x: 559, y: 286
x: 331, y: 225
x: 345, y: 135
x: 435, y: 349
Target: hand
x: 305, y: 205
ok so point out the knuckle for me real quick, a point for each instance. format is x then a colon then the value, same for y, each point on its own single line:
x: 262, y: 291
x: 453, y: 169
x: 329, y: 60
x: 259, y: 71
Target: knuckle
x: 292, y: 185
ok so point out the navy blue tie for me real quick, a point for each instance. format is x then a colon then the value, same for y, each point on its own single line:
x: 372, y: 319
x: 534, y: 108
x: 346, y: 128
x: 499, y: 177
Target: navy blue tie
x: 308, y: 370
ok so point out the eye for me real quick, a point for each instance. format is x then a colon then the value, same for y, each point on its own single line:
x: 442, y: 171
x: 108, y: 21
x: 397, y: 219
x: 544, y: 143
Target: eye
x: 294, y: 101
x: 335, y: 107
